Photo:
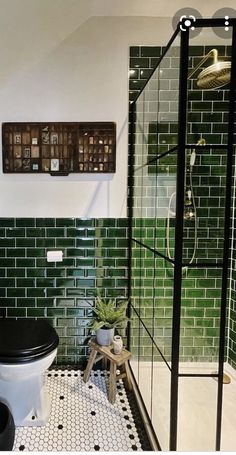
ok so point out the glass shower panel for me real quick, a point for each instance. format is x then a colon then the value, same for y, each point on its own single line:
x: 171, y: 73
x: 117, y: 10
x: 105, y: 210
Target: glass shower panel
x: 162, y: 100
x: 205, y: 197
x: 200, y: 320
x: 166, y: 204
x: 143, y: 262
x: 141, y: 360
x: 145, y: 201
x: 197, y: 408
x: 208, y: 95
x: 163, y: 283
x: 161, y: 400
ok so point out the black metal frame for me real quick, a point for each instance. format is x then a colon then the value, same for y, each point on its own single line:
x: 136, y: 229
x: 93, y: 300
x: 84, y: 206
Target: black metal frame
x: 178, y: 261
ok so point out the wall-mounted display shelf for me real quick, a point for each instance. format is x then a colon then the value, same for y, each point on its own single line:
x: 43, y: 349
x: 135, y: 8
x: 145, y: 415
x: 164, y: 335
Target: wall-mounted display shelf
x: 59, y: 148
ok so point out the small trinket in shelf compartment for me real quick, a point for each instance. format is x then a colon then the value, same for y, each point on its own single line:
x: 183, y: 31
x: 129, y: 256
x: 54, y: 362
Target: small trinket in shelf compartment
x: 34, y: 141
x: 54, y: 138
x: 17, y: 164
x: 17, y: 151
x: 45, y: 135
x: 54, y: 164
x: 26, y: 152
x: 26, y: 165
x: 91, y: 140
x: 17, y: 138
x: 35, y: 167
x: 45, y: 165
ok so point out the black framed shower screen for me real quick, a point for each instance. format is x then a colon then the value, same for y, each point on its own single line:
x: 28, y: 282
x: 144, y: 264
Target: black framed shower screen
x: 147, y: 251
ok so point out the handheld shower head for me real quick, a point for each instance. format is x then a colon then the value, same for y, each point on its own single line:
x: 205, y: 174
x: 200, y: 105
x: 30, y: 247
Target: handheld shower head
x: 214, y: 76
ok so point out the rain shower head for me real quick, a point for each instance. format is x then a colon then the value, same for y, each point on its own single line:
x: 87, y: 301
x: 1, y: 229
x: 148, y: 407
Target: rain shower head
x: 214, y: 76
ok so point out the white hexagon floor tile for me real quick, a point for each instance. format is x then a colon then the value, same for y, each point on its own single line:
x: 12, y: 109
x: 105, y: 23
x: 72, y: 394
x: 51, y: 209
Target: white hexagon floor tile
x: 82, y: 419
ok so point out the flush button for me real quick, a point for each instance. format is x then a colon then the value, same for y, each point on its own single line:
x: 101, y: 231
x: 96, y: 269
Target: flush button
x: 54, y: 256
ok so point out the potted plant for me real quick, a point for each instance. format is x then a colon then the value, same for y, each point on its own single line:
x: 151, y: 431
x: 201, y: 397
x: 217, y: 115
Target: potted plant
x: 107, y: 316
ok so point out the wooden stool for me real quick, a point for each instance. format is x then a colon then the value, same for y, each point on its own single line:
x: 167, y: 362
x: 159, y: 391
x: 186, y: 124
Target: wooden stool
x: 116, y: 360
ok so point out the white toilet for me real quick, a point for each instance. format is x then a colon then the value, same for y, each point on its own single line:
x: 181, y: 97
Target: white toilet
x: 27, y: 348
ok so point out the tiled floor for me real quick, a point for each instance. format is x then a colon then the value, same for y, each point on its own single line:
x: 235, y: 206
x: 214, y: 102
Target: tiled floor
x: 82, y: 419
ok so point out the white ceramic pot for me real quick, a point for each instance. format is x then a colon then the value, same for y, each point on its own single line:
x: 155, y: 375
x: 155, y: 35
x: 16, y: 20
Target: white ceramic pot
x: 104, y: 337
x: 117, y: 344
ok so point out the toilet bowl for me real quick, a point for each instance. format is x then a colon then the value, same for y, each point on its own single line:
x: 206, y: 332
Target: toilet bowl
x: 27, y: 349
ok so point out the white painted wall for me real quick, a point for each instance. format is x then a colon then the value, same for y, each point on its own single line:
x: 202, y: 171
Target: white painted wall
x: 61, y: 63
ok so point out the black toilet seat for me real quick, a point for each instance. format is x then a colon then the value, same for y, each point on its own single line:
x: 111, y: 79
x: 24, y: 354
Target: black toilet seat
x: 25, y: 340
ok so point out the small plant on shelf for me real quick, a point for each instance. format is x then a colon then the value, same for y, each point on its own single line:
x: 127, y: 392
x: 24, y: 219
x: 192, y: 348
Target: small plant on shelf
x: 108, y: 315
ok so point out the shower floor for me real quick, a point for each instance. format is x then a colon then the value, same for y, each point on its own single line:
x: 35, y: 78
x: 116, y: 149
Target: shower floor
x: 82, y: 419
x: 196, y: 409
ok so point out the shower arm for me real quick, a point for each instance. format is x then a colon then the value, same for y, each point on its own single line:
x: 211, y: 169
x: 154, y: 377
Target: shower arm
x: 212, y: 53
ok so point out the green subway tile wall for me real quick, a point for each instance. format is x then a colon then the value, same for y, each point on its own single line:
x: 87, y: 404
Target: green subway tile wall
x: 152, y: 290
x: 94, y: 257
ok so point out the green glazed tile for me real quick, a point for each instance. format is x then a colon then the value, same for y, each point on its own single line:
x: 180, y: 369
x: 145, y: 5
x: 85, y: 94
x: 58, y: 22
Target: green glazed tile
x: 18, y: 292
x: 25, y: 222
x: 16, y: 312
x: 65, y: 302
x: 85, y: 222
x: 65, y: 243
x: 55, y: 232
x: 52, y: 312
x: 76, y: 232
x: 7, y: 242
x: 55, y: 292
x: 35, y: 312
x: 45, y: 222
x: 25, y: 262
x: 25, y: 282
x: 35, y: 232
x: 15, y: 232
x: 55, y: 272
x: 65, y: 282
x: 7, y: 222
x: 2, y: 292
x: 25, y: 243
x: 75, y: 272
x: 44, y: 302
x: 45, y: 282
x: 25, y: 302
x: 65, y: 222
x: 35, y: 292
x: 35, y: 252
x: 75, y: 252
x: 7, y: 302
x: 7, y: 282
x: 45, y: 243
x: 85, y: 243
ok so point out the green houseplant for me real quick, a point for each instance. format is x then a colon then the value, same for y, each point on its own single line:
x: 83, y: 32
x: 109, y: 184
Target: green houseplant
x: 108, y: 315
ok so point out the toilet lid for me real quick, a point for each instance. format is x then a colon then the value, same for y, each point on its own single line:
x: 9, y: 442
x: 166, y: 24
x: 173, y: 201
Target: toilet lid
x: 25, y: 340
